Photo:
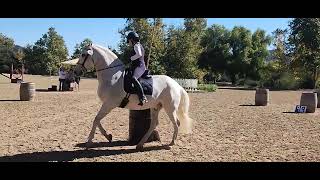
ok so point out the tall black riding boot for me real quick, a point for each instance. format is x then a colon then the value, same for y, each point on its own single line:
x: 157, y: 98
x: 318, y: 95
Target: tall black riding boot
x: 139, y: 89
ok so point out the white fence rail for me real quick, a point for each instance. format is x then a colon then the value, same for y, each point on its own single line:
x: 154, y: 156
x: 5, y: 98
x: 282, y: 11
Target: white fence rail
x: 188, y: 83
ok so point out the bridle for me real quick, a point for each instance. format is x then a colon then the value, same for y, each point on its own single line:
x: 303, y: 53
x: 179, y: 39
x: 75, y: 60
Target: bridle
x: 85, y: 59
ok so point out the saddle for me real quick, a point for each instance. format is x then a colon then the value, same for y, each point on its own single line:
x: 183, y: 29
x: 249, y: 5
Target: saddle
x: 145, y: 80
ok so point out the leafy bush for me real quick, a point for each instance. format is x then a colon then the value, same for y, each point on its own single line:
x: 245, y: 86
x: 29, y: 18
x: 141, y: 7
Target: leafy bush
x: 251, y: 83
x: 207, y: 87
x: 4, y: 68
x: 240, y: 82
x: 287, y: 82
x: 306, y: 82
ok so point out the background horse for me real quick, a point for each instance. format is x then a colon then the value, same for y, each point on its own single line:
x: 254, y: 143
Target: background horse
x: 166, y: 93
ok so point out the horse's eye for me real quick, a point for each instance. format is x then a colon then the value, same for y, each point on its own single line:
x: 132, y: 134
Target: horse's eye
x: 83, y: 55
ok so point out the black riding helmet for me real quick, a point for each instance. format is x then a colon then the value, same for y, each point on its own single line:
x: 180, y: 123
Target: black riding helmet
x: 134, y: 36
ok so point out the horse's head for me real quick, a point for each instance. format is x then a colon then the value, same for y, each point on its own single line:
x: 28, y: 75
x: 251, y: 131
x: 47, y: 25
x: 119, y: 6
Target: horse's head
x: 98, y: 57
x: 85, y: 61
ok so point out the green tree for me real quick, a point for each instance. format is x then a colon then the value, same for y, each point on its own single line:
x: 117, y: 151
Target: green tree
x: 184, y: 49
x: 151, y: 32
x: 35, y: 59
x: 304, y: 43
x: 174, y: 52
x: 216, y: 52
x: 258, y: 53
x: 280, y: 53
x: 46, y: 55
x: 6, y: 53
x: 241, y: 45
x: 79, y: 47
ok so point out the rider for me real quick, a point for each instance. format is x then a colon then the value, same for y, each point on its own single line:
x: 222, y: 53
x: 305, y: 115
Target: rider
x: 138, y: 64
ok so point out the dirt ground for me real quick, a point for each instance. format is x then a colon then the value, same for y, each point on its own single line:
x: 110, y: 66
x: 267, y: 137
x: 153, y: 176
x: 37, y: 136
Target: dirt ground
x: 55, y: 125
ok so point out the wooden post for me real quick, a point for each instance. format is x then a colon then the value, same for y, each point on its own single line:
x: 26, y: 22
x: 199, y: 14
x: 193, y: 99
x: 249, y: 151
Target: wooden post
x: 11, y: 73
x: 139, y: 123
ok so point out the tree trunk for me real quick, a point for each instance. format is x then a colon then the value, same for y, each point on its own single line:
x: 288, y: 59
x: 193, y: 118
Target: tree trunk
x: 315, y: 77
x: 22, y: 71
x: 11, y: 72
x: 139, y: 123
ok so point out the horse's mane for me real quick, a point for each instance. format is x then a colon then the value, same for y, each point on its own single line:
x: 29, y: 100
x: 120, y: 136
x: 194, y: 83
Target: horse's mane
x: 107, y: 50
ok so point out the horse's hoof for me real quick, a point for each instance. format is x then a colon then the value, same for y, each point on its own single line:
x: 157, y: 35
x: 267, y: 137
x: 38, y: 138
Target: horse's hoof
x: 157, y: 136
x: 109, y: 137
x: 171, y: 144
x: 139, y: 147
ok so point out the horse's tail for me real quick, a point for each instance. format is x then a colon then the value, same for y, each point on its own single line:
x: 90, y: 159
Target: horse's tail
x: 183, y: 114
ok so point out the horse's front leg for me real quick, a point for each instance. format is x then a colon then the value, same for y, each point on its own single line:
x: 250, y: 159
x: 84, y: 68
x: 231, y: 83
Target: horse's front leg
x: 104, y: 110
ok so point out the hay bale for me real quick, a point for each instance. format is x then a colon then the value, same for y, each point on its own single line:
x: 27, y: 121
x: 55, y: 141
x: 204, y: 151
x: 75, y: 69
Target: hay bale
x: 139, y: 123
x: 262, y: 97
x: 310, y: 100
x: 27, y: 91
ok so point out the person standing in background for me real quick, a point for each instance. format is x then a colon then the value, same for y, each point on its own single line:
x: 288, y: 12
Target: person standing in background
x: 62, y: 78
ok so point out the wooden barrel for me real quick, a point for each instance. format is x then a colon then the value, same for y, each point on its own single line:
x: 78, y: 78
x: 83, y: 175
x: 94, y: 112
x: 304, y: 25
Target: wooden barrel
x: 54, y: 88
x: 139, y: 124
x: 14, y: 80
x: 27, y: 91
x: 310, y: 100
x: 262, y: 97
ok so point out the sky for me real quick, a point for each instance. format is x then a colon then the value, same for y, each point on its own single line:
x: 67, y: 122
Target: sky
x: 104, y: 31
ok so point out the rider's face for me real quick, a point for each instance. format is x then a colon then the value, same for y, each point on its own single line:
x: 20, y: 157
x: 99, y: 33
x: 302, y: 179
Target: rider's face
x: 130, y: 42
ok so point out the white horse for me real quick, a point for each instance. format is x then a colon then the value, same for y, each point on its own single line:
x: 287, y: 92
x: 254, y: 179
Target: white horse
x: 167, y: 93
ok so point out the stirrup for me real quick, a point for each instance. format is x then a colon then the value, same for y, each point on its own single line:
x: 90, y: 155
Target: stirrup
x: 143, y: 101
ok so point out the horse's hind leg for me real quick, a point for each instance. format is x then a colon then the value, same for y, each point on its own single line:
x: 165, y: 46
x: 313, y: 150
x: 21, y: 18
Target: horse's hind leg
x: 173, y: 118
x: 171, y: 112
x: 104, y: 110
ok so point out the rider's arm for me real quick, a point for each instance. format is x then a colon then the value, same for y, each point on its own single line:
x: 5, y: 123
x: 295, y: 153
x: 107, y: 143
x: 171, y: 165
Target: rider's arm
x: 137, y: 50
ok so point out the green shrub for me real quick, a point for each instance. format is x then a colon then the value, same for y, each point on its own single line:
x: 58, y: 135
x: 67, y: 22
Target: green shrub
x: 251, y: 83
x: 287, y: 82
x: 207, y: 87
x: 306, y: 82
x: 240, y: 82
x: 4, y: 68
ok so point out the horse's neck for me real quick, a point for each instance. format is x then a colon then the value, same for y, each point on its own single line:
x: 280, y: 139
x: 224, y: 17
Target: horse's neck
x: 111, y: 83
x: 112, y: 76
x: 110, y: 71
